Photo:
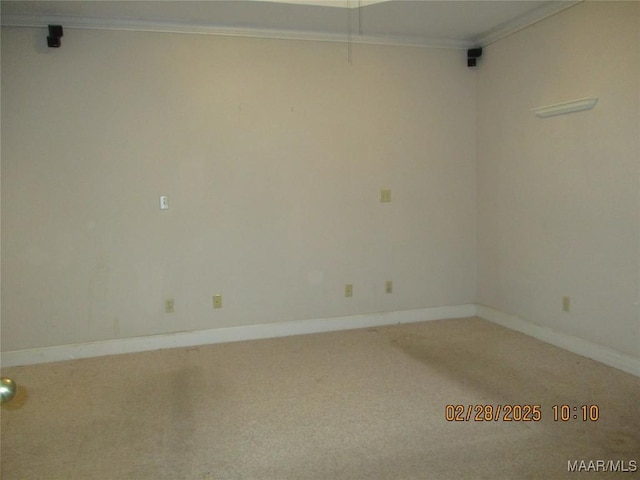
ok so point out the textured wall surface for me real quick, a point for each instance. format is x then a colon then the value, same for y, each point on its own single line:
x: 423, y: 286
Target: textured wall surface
x: 272, y: 153
x: 558, y: 198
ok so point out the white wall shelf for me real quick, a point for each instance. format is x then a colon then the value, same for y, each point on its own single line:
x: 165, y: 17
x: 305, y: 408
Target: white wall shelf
x: 566, y: 107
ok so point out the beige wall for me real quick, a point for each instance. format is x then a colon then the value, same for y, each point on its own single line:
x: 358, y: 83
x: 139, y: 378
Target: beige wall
x: 558, y: 198
x: 272, y: 153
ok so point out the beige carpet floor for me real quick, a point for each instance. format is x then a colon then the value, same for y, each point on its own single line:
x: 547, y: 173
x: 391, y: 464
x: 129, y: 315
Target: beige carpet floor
x: 360, y: 404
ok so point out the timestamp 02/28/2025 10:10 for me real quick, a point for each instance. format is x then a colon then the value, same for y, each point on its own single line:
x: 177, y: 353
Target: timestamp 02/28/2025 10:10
x: 520, y: 413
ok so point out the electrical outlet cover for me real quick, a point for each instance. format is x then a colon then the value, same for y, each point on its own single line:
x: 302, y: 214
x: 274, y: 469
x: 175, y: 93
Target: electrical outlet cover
x: 217, y: 301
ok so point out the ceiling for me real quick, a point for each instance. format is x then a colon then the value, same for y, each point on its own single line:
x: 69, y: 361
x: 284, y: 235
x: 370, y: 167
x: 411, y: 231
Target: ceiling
x: 449, y: 23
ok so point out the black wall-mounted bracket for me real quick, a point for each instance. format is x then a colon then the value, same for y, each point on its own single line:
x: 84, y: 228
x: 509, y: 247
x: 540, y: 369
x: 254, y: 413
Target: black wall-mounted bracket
x: 55, y: 34
x: 472, y: 56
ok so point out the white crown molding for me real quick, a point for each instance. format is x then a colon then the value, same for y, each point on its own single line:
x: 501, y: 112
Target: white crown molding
x: 534, y: 16
x: 329, y: 3
x: 566, y: 107
x: 229, y: 334
x: 71, y: 22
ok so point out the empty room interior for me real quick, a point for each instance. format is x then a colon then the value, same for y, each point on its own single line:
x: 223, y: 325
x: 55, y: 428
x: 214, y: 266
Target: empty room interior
x: 320, y: 239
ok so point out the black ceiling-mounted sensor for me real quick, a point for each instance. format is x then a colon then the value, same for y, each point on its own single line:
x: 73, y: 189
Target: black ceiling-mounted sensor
x: 55, y: 34
x: 472, y: 56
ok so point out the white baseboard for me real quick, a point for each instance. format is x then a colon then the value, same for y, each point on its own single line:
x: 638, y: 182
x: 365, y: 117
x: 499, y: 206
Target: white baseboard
x: 582, y: 347
x: 229, y: 334
x: 577, y: 345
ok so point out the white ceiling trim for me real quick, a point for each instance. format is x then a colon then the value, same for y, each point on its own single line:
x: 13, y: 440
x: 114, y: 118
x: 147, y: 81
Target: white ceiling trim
x: 329, y: 3
x: 524, y: 21
x: 487, y: 38
x: 70, y: 22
